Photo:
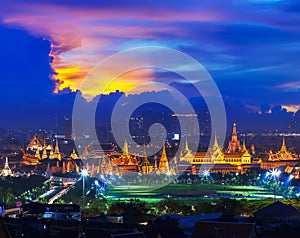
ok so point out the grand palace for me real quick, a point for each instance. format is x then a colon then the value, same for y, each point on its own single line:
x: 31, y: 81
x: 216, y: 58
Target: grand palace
x: 235, y: 157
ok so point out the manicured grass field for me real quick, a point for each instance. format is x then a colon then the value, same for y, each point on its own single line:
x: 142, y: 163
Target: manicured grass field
x: 187, y: 192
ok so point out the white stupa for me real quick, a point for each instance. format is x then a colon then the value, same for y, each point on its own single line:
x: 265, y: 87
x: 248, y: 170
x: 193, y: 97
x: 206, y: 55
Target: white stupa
x: 6, y: 170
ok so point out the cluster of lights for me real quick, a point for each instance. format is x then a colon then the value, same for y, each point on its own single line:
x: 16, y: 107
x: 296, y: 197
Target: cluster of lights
x: 84, y: 172
x: 205, y: 173
x: 273, y: 173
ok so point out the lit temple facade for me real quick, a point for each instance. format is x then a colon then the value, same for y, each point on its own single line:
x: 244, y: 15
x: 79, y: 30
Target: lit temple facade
x: 37, y: 151
x: 234, y: 145
x: 107, y: 159
x: 235, y: 155
x: 38, y: 154
x: 126, y: 163
x: 282, y: 154
x: 282, y: 158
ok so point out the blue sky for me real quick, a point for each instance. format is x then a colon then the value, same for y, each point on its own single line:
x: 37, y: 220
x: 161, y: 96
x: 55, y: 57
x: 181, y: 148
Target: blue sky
x: 251, y: 48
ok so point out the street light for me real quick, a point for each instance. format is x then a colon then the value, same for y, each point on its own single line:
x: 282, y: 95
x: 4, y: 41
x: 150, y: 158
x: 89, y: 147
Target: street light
x: 275, y: 173
x: 84, y: 173
x: 205, y: 174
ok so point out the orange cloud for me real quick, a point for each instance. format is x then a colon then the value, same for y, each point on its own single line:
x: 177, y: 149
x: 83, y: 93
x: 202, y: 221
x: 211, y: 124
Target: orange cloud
x: 82, y: 37
x: 291, y: 108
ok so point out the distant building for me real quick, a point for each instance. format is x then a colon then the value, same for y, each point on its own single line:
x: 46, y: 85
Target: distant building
x: 36, y: 143
x: 282, y: 154
x: 234, y: 144
x: 6, y: 171
x: 282, y: 158
x: 233, y: 161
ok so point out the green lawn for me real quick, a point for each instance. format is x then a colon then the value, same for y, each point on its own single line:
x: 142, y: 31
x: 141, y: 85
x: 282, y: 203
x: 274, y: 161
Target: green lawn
x: 187, y: 191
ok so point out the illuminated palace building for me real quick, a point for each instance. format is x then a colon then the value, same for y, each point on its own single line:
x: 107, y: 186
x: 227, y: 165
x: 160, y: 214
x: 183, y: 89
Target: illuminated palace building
x: 125, y: 163
x: 39, y: 153
x: 108, y: 159
x: 236, y: 158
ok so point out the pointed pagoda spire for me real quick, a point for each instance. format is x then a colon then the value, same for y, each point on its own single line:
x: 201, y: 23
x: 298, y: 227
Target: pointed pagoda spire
x: 125, y: 148
x: 44, y: 155
x: 186, y: 144
x: 56, y: 150
x: 164, y: 163
x: 234, y: 133
x: 6, y: 163
x: 283, y: 146
x: 216, y: 140
x: 6, y: 170
x: 244, y: 145
x: 164, y: 154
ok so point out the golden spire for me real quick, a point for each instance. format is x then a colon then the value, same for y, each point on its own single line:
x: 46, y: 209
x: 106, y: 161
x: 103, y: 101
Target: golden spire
x: 44, y: 155
x: 186, y: 144
x: 283, y: 146
x: 125, y: 148
x: 163, y: 154
x: 216, y: 140
x: 56, y: 150
x: 164, y: 163
x: 244, y: 145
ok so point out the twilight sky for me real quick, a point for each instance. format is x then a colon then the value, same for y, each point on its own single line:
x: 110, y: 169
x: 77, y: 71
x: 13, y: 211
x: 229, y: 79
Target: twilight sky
x: 250, y: 47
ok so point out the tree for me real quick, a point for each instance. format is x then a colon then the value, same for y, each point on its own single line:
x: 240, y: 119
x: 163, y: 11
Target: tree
x: 229, y: 207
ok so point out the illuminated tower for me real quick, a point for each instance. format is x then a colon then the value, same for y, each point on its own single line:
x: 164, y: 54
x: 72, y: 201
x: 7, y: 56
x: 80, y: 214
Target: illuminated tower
x: 234, y: 145
x: 44, y: 155
x: 163, y: 162
x: 125, y: 157
x: 283, y: 146
x: 125, y: 149
x: 6, y: 170
x: 146, y: 168
x: 56, y: 150
x: 216, y: 145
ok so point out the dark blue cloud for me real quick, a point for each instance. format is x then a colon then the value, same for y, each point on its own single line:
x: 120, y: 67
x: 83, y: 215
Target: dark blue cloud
x: 27, y: 99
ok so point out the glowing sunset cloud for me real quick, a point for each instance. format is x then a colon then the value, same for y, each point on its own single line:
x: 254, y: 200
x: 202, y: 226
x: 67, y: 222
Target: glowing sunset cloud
x: 83, y: 33
x: 291, y: 108
x: 82, y: 37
